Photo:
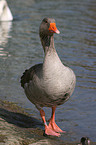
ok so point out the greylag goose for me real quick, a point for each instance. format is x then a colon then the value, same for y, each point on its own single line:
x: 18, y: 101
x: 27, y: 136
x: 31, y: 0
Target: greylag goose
x: 85, y: 141
x: 50, y: 83
x: 5, y: 13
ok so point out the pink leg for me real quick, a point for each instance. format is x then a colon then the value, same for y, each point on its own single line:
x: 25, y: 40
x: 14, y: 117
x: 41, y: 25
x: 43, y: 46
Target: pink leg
x: 48, y: 130
x: 52, y: 124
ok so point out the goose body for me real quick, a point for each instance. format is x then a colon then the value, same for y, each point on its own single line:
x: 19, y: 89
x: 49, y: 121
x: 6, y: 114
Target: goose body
x: 5, y: 13
x: 50, y: 83
x: 47, y: 86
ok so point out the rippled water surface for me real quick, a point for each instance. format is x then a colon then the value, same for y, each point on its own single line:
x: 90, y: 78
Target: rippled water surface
x: 20, y: 48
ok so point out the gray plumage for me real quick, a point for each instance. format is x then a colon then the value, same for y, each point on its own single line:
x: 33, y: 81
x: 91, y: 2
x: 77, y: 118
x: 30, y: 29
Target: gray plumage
x: 50, y: 83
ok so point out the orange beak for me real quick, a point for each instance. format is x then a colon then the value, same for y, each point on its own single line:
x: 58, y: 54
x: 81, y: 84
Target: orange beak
x: 53, y: 28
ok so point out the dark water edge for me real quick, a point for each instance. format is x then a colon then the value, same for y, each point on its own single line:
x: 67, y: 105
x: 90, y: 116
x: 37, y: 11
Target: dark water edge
x: 19, y: 128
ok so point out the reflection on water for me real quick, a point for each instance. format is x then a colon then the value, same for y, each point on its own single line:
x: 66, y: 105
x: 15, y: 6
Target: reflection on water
x: 5, y: 28
x: 4, y: 32
x: 4, y: 54
x: 76, y: 46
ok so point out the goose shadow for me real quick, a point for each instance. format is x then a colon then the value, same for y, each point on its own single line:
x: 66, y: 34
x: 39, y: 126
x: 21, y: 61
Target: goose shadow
x: 20, y: 119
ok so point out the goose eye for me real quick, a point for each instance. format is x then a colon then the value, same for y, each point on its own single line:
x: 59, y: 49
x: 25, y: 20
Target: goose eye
x: 46, y: 21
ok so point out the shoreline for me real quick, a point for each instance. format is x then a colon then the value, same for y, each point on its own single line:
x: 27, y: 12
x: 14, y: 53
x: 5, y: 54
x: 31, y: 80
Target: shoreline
x: 19, y: 128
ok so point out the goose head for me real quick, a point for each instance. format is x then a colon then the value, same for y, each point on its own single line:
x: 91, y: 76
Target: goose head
x: 46, y: 31
x: 48, y: 27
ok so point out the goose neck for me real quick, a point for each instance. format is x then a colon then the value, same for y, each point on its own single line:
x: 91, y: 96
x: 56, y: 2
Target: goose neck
x: 48, y: 43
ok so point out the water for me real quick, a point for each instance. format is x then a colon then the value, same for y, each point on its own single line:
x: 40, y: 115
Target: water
x: 20, y: 48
